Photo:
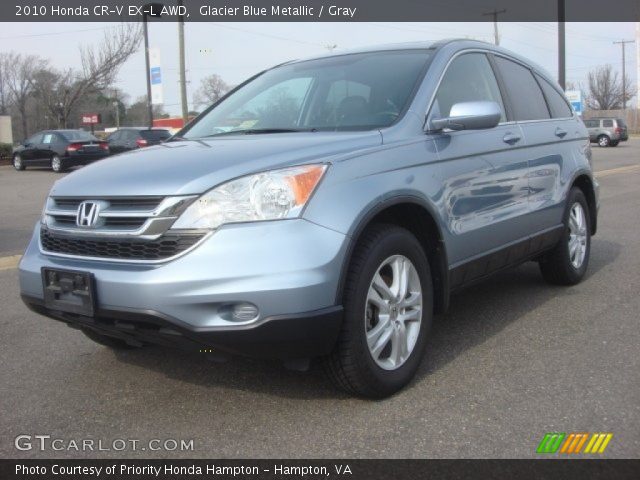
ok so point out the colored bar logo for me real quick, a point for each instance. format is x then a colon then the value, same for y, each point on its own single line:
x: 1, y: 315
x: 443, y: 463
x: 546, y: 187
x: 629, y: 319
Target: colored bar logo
x: 572, y: 443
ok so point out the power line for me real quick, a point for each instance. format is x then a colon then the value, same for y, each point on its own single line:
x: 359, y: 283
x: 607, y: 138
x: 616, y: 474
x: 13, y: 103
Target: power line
x: 54, y: 33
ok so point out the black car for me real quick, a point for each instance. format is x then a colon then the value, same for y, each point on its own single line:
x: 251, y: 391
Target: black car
x: 130, y: 138
x: 59, y: 149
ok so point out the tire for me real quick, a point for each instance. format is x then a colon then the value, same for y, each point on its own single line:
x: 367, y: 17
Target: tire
x: 353, y: 365
x: 614, y: 143
x: 603, y: 141
x: 57, y: 165
x: 560, y: 266
x: 105, y: 340
x: 18, y: 164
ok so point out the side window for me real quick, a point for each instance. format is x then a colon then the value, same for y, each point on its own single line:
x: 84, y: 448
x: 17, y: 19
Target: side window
x: 557, y: 103
x: 468, y: 78
x: 115, y: 136
x: 591, y: 123
x: 607, y: 123
x: 525, y: 95
x: 48, y: 139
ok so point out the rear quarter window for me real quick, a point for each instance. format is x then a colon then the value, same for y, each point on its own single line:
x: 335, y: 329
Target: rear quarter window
x: 607, y: 123
x: 556, y: 101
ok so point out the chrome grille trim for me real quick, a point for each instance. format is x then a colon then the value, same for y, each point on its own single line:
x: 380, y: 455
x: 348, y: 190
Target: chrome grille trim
x: 145, y: 218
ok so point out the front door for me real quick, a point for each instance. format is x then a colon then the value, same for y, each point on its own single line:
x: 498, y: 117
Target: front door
x: 484, y: 172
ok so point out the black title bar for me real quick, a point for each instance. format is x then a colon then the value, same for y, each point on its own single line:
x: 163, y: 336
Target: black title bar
x: 319, y: 10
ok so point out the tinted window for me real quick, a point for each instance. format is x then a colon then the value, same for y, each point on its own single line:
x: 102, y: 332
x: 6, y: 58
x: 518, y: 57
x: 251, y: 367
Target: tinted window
x: 78, y: 136
x: 557, y: 103
x: 607, y: 123
x: 468, y: 78
x: 155, y: 135
x: 345, y: 92
x: 526, y: 97
x: 591, y: 123
x: 114, y: 136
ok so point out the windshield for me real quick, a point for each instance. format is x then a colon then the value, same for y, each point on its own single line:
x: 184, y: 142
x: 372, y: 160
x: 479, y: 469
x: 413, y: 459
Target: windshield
x: 78, y: 136
x: 349, y: 92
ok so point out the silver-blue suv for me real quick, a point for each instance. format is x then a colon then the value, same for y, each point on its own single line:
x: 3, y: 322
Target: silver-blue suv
x: 325, y: 208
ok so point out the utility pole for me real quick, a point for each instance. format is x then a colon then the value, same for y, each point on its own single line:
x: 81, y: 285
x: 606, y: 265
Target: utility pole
x: 183, y: 80
x: 494, y: 14
x: 637, y: 71
x: 623, y: 43
x: 562, y: 72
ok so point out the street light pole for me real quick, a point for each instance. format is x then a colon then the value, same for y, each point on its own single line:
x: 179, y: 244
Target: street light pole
x: 148, y: 65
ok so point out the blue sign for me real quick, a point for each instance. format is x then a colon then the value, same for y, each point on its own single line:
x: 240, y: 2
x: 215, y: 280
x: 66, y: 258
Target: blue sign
x: 577, y: 106
x: 156, y: 77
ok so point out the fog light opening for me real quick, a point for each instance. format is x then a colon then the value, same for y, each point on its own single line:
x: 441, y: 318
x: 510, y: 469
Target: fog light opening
x: 244, y: 312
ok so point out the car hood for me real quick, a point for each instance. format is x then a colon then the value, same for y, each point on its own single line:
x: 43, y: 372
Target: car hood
x: 194, y: 166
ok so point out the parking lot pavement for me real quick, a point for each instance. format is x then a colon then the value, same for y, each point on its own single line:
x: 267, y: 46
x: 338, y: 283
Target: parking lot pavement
x: 513, y: 359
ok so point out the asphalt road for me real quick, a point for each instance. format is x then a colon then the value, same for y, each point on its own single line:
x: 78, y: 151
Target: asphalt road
x: 513, y: 359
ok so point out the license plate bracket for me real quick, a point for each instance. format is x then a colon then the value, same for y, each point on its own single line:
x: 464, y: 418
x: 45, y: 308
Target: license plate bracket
x: 69, y: 291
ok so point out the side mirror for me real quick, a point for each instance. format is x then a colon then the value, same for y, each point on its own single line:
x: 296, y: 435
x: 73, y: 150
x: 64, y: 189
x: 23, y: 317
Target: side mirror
x: 469, y: 116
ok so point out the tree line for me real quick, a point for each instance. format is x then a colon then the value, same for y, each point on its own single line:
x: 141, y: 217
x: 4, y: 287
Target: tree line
x: 40, y: 96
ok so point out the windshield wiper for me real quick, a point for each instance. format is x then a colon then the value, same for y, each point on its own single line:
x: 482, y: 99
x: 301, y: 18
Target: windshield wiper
x: 258, y: 131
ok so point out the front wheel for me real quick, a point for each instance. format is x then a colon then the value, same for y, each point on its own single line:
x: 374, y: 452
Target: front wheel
x: 18, y: 164
x: 603, y: 141
x: 567, y: 263
x: 388, y: 305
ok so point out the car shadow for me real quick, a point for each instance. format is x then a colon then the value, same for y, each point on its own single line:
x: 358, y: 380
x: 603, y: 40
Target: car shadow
x: 470, y: 321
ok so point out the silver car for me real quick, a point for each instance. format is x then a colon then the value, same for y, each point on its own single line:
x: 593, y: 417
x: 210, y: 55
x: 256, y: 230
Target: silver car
x: 607, y: 132
x: 325, y: 208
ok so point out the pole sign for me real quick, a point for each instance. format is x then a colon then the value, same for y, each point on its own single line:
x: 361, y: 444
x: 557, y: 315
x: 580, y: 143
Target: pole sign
x: 156, y: 76
x: 575, y: 99
x: 90, y: 118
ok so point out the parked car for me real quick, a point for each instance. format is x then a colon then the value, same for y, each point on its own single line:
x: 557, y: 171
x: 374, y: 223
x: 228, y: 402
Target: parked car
x: 325, y: 208
x: 607, y: 132
x: 131, y: 138
x: 59, y: 150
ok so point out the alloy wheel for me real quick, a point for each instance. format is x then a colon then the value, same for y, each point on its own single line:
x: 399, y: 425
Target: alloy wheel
x: 577, y: 235
x: 393, y: 312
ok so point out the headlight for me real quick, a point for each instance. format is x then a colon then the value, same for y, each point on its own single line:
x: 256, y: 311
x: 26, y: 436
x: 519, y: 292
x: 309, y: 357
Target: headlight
x: 264, y: 196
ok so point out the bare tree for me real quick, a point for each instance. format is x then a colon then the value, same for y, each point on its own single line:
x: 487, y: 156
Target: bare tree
x: 212, y: 88
x: 19, y: 82
x: 62, y: 90
x: 605, y: 89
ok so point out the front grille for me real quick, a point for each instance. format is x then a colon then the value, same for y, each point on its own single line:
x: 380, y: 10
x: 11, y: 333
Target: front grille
x: 166, y: 246
x: 148, y: 217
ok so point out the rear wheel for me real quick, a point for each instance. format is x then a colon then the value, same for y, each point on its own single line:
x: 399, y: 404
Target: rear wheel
x: 388, y: 302
x: 57, y: 165
x: 603, y: 141
x: 18, y: 164
x: 567, y: 263
x: 105, y: 340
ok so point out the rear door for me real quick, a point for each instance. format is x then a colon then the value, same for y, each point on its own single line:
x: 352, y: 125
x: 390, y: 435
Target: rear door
x: 551, y: 132
x: 484, y: 174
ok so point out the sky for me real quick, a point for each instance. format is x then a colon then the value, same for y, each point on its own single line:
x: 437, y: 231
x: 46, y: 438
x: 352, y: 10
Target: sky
x: 236, y: 51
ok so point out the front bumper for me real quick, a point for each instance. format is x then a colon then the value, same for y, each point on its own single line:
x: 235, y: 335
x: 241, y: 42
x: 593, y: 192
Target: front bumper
x: 288, y: 269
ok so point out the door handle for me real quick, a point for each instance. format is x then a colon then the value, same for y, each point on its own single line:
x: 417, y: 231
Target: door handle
x: 511, y: 138
x: 560, y: 132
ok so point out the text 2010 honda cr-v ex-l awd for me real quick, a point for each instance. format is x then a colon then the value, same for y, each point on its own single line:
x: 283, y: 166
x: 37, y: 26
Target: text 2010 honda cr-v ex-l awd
x: 326, y: 209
